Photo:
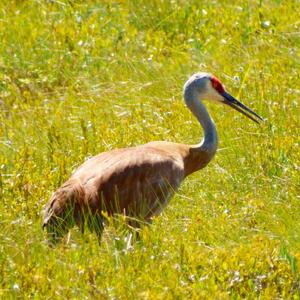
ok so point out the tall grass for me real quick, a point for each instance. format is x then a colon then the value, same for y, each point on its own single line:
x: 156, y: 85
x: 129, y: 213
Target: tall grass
x: 81, y: 77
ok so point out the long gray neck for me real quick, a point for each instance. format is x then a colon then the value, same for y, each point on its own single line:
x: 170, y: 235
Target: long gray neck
x: 194, y: 103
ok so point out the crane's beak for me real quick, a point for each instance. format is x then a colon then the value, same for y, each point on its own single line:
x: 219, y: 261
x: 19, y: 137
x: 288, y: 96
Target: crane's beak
x: 237, y: 105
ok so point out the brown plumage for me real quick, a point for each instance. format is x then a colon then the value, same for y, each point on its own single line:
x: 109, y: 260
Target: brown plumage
x: 137, y: 182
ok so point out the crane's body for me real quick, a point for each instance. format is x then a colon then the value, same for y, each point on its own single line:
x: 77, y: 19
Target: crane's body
x: 137, y: 182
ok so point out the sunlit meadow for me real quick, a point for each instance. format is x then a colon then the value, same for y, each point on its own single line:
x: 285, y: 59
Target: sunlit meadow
x: 81, y: 77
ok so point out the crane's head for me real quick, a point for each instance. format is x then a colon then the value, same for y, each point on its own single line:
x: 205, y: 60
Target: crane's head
x: 209, y: 87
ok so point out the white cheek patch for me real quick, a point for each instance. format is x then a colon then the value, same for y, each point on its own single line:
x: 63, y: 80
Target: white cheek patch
x: 212, y: 94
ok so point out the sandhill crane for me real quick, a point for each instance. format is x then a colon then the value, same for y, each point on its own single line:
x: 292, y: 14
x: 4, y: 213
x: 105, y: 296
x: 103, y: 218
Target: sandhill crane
x: 138, y: 182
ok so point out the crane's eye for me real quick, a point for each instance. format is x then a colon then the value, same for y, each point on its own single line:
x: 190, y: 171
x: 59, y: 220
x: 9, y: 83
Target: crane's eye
x: 217, y: 85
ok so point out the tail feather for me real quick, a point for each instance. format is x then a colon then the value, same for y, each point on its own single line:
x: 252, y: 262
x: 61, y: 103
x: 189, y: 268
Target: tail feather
x: 69, y: 196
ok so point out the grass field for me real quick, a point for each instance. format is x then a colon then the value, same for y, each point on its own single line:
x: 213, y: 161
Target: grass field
x: 81, y: 77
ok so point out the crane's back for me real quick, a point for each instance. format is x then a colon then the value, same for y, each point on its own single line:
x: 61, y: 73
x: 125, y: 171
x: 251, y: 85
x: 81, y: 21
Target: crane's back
x: 134, y: 181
